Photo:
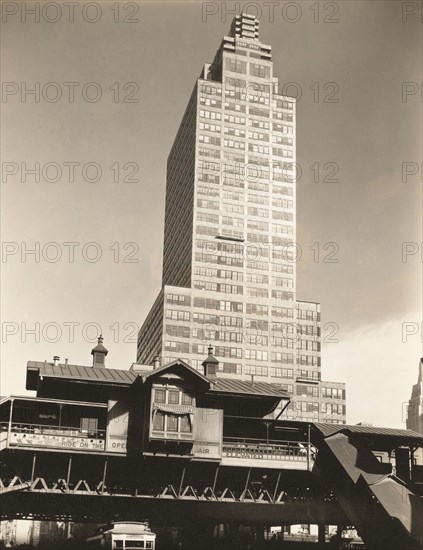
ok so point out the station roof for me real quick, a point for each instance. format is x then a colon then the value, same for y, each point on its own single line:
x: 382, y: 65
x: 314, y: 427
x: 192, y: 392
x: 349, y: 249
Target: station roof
x: 373, y: 432
x: 37, y: 369
x: 232, y: 386
x: 100, y: 375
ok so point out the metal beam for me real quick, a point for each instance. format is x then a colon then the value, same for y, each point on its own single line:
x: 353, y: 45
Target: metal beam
x: 103, y: 482
x: 69, y: 470
x: 182, y: 481
x: 247, y: 481
x: 34, y: 460
x: 277, y: 486
x: 215, y: 481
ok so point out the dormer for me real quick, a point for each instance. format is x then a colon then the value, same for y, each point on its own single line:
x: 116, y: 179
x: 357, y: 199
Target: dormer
x: 174, y: 389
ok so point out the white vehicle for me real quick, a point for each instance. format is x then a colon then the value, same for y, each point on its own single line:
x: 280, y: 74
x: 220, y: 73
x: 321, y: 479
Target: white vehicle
x: 124, y: 535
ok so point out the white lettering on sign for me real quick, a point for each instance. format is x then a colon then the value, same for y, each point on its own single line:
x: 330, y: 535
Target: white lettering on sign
x: 244, y: 454
x: 56, y: 441
x: 118, y: 445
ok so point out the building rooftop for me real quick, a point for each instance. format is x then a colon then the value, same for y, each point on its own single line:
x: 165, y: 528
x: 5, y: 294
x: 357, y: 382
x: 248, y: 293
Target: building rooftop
x: 41, y: 369
x: 330, y: 429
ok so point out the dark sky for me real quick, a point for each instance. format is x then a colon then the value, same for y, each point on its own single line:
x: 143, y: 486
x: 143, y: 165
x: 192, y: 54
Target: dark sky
x: 362, y: 61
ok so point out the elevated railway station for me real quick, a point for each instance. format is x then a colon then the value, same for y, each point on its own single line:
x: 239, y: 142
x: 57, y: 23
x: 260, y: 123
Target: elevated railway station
x: 169, y: 443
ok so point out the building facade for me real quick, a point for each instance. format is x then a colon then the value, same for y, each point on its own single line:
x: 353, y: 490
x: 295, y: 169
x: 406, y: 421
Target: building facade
x: 230, y: 251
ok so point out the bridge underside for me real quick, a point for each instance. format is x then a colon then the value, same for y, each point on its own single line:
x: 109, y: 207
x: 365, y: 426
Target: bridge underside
x: 162, y: 490
x: 180, y: 511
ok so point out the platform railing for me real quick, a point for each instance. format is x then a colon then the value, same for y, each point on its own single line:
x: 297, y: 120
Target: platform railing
x: 268, y: 449
x: 43, y: 429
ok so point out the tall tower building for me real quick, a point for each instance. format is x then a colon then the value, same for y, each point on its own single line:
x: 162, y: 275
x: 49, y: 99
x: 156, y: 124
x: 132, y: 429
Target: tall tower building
x: 229, y: 260
x: 415, y: 409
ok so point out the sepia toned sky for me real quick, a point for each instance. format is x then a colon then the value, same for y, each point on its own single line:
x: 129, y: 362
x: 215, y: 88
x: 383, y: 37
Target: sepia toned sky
x: 356, y: 69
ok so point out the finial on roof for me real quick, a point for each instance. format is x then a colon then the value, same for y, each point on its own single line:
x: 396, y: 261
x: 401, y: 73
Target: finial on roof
x: 99, y: 353
x: 210, y: 364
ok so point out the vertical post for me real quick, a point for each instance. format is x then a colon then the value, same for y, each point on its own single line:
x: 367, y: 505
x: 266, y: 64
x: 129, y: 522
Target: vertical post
x: 9, y: 428
x: 34, y: 460
x: 104, y: 475
x: 69, y: 470
x: 267, y: 424
x: 182, y: 481
x: 321, y: 533
x: 412, y: 449
x: 60, y: 414
x: 308, y: 447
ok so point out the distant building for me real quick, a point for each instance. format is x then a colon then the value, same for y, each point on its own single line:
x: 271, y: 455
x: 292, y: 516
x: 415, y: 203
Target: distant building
x: 415, y: 408
x: 230, y: 251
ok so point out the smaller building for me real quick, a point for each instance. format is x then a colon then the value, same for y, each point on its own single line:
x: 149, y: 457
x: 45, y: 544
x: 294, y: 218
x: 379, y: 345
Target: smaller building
x: 152, y: 411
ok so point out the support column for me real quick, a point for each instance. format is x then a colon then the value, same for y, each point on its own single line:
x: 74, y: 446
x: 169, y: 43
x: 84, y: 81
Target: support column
x: 321, y: 533
x: 260, y: 532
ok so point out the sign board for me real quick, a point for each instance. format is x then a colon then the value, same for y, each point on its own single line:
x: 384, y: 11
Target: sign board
x: 56, y: 441
x: 206, y: 449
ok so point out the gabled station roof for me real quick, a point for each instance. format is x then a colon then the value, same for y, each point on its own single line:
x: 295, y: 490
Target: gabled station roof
x: 225, y: 386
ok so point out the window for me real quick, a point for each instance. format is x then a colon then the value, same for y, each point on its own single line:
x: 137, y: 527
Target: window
x: 236, y: 66
x: 185, y: 424
x: 172, y: 413
x: 172, y: 423
x: 173, y: 397
x: 89, y: 424
x: 262, y: 71
x: 186, y: 399
x: 159, y: 421
x: 160, y: 396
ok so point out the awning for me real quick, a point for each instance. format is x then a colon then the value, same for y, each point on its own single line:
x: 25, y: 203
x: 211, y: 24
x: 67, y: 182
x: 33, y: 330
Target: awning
x: 174, y: 409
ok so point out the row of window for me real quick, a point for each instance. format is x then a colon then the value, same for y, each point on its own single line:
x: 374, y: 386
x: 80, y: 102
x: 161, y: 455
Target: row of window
x: 333, y: 393
x: 218, y: 287
x: 255, y: 123
x: 171, y: 396
x: 240, y: 108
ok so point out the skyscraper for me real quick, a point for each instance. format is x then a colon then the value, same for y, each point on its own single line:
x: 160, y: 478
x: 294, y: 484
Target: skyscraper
x: 230, y: 252
x: 415, y: 409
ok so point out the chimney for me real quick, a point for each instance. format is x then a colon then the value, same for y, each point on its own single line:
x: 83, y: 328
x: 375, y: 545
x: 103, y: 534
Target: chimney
x: 210, y: 365
x: 156, y: 362
x: 99, y: 353
x: 66, y: 362
x: 56, y: 360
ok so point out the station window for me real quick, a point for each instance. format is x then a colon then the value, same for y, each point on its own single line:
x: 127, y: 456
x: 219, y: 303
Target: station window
x: 172, y: 413
x: 160, y: 396
x: 159, y: 421
x: 173, y: 397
